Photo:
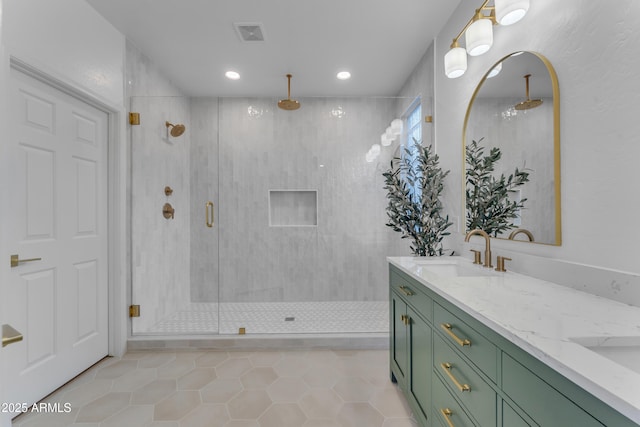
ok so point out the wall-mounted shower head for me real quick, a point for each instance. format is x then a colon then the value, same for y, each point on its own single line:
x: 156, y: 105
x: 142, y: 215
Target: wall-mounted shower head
x: 289, y: 104
x: 176, y: 130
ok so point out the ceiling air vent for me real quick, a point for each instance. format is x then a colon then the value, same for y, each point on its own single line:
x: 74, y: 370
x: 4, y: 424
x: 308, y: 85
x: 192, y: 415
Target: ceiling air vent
x: 249, y: 31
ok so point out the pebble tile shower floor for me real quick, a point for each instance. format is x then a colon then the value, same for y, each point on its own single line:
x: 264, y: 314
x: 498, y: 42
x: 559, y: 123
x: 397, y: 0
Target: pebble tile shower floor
x: 271, y: 317
x: 232, y: 389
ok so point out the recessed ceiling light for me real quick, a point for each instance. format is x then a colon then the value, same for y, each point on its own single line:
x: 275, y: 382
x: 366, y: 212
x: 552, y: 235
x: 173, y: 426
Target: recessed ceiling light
x: 343, y: 75
x: 232, y: 75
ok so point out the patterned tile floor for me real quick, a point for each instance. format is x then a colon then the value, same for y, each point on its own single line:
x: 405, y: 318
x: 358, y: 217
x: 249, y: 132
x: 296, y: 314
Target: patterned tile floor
x: 232, y: 389
x: 277, y: 318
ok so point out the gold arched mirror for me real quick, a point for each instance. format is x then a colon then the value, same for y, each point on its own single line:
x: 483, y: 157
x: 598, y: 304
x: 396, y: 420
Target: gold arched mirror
x: 512, y: 129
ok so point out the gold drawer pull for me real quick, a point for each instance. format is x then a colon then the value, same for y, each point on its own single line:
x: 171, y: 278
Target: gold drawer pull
x: 408, y: 292
x: 447, y: 369
x: 447, y: 413
x: 405, y: 319
x: 448, y: 329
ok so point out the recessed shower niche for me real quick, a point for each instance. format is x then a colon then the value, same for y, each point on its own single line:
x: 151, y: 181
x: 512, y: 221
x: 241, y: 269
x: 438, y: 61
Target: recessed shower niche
x: 293, y: 208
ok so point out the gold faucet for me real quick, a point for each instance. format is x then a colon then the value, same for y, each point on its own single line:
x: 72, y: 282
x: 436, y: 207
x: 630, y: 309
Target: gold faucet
x: 517, y: 231
x: 487, y: 243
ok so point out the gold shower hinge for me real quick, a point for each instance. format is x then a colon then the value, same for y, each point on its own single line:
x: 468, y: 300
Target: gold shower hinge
x: 134, y: 119
x: 134, y: 311
x: 428, y: 119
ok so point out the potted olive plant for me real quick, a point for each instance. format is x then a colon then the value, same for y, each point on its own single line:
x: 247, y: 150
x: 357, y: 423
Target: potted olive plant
x: 414, y: 184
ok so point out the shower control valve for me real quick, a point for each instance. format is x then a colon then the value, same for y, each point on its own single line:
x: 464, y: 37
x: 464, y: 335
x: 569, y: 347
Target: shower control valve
x: 168, y: 211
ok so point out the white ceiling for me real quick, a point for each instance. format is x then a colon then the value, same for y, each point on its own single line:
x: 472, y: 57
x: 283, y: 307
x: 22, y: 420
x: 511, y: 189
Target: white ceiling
x: 194, y: 42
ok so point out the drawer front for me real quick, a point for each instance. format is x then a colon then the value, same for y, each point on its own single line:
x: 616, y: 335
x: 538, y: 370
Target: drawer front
x: 480, y: 351
x: 412, y: 295
x: 464, y: 383
x: 446, y: 409
x: 544, y: 404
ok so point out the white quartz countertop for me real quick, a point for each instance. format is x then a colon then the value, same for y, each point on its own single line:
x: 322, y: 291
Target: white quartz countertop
x: 546, y: 319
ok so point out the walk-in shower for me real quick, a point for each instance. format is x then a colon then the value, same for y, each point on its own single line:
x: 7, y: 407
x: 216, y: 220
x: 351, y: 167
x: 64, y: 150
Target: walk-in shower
x: 299, y: 240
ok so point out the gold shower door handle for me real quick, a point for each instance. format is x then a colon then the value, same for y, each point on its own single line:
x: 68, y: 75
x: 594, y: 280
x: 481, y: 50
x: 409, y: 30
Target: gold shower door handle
x: 15, y: 260
x: 209, y: 215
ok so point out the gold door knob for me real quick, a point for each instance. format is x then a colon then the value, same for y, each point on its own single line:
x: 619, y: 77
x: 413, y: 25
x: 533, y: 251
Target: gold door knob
x: 15, y: 260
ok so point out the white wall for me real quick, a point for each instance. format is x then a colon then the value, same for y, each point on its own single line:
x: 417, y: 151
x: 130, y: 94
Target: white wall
x: 68, y: 39
x: 593, y: 47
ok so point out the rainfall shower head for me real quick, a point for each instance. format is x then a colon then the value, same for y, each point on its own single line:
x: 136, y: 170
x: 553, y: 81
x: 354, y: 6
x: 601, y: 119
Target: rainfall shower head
x: 176, y: 130
x: 528, y: 103
x: 289, y: 104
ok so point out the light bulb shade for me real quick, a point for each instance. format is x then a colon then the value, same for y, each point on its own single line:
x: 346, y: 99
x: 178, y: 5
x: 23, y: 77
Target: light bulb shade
x: 375, y: 149
x: 479, y: 37
x: 510, y: 11
x: 396, y: 126
x: 385, y: 141
x: 455, y: 62
x: 389, y: 132
x: 369, y: 157
x: 495, y: 70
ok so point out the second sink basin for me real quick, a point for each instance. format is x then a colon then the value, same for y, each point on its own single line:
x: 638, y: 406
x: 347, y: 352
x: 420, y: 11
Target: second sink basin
x: 453, y: 268
x: 624, y: 351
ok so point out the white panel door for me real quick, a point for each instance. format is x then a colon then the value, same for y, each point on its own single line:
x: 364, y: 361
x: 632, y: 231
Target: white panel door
x: 57, y: 157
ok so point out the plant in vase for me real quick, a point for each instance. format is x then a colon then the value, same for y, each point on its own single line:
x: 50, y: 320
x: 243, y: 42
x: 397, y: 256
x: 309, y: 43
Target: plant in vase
x: 414, y: 184
x: 488, y: 204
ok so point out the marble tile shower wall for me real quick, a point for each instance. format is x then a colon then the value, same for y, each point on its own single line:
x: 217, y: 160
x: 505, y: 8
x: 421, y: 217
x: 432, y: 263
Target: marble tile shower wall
x: 204, y: 188
x: 321, y: 147
x: 160, y: 247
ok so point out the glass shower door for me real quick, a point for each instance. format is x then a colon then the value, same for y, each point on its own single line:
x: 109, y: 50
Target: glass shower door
x: 173, y: 252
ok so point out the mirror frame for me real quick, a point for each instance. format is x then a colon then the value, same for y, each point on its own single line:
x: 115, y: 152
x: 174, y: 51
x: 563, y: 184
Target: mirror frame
x: 556, y: 146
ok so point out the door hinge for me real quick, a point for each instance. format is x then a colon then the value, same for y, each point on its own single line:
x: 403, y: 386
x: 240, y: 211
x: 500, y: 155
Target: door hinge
x: 134, y: 119
x: 134, y: 311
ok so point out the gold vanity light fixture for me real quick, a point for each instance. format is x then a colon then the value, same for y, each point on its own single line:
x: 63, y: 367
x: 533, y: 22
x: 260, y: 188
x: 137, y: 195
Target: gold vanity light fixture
x: 478, y: 32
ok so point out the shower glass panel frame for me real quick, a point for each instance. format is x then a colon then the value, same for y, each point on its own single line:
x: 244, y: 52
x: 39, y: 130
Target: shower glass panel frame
x: 320, y: 268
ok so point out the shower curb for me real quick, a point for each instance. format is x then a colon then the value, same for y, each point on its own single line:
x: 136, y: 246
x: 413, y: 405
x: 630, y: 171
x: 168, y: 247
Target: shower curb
x: 369, y: 341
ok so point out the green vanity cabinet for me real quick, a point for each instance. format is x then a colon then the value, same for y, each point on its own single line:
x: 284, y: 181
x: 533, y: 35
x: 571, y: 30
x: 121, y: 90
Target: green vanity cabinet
x: 455, y: 371
x: 411, y: 354
x: 511, y: 418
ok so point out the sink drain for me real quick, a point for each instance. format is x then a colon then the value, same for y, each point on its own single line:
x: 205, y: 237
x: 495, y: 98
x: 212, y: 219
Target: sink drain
x: 289, y: 319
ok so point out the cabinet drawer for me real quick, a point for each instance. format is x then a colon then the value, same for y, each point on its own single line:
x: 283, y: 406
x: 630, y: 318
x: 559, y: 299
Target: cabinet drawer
x: 412, y: 295
x: 544, y: 404
x: 480, y: 351
x: 446, y: 409
x: 464, y: 383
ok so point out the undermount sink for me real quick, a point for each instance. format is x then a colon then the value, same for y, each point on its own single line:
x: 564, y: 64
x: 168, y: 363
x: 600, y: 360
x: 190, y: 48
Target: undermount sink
x: 624, y: 351
x: 453, y: 268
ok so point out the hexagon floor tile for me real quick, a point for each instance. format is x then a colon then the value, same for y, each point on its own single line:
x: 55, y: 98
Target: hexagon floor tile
x: 232, y: 389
